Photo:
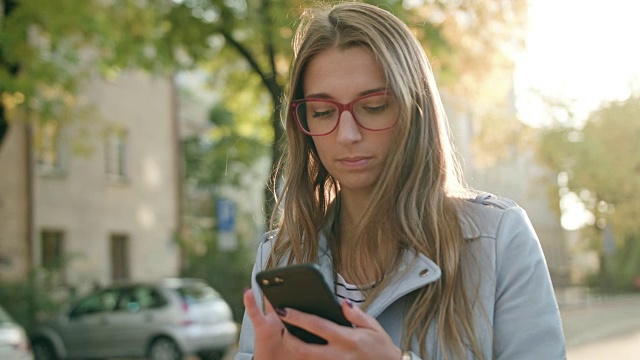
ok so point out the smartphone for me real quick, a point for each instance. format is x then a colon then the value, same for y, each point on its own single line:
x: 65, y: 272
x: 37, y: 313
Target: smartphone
x: 301, y: 287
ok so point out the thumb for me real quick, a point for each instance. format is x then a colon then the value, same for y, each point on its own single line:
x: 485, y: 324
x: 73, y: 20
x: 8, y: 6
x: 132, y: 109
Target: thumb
x: 357, y: 317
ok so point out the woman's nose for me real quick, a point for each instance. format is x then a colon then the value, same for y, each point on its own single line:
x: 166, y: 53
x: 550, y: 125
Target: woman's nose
x: 348, y: 130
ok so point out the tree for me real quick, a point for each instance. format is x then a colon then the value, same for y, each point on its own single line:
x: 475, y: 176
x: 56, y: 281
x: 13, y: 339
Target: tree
x: 601, y: 163
x: 46, y: 47
x: 232, y: 144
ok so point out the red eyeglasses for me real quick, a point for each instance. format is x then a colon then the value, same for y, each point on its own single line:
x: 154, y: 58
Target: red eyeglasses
x: 374, y: 112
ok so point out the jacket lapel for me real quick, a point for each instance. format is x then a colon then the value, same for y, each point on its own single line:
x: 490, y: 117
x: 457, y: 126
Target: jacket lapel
x: 416, y: 271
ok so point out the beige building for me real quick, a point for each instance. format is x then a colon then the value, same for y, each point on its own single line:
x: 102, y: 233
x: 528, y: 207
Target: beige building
x: 100, y: 199
x: 519, y: 178
x: 514, y: 174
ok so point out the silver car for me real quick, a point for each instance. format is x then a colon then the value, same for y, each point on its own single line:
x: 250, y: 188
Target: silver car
x: 163, y: 320
x: 14, y: 343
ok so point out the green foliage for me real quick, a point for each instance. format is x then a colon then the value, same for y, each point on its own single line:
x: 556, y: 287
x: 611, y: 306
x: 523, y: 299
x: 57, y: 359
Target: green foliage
x: 602, y: 161
x: 229, y: 272
x: 225, y: 153
x: 602, y: 164
x: 47, y: 48
x: 30, y: 300
x: 618, y: 271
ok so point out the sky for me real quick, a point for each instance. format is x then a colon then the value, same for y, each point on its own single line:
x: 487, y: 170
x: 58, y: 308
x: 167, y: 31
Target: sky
x: 586, y: 52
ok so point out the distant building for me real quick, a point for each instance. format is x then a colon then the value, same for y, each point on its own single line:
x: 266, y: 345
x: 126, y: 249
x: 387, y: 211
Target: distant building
x: 95, y: 200
x: 519, y: 178
x: 513, y: 174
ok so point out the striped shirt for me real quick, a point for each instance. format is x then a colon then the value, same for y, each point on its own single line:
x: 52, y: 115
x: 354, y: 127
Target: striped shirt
x: 344, y: 290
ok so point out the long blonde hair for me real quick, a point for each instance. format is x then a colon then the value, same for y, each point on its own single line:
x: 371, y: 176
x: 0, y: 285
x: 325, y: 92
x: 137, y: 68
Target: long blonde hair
x: 418, y: 195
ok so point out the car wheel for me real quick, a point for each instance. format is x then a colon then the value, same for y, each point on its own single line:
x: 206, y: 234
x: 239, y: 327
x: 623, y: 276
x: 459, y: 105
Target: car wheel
x: 43, y: 350
x: 164, y: 349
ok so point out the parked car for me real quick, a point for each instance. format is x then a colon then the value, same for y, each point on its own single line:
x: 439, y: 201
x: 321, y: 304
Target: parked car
x: 14, y: 343
x: 160, y: 320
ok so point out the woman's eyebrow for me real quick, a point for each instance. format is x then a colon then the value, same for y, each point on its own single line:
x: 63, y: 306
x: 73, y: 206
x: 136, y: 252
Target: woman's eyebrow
x: 362, y: 93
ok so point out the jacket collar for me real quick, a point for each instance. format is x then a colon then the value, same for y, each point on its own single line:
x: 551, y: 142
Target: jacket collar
x: 415, y: 271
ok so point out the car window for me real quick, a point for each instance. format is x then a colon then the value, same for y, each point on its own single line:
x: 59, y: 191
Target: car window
x: 149, y: 298
x: 4, y: 317
x: 140, y: 298
x: 127, y: 300
x: 103, y: 301
x: 197, y: 293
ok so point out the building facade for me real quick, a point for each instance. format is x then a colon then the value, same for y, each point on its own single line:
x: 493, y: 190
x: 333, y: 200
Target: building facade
x: 101, y: 200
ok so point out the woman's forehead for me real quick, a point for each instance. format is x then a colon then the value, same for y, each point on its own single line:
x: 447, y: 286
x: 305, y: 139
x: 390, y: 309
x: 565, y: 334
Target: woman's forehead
x: 342, y: 71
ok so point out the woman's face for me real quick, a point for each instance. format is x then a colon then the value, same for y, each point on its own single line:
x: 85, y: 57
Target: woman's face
x: 354, y: 156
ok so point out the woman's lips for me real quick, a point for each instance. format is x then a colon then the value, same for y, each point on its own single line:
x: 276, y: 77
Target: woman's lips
x: 354, y: 162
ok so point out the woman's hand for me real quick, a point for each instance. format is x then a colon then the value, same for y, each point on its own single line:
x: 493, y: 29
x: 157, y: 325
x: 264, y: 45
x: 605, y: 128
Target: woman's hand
x: 269, y: 330
x: 366, y: 340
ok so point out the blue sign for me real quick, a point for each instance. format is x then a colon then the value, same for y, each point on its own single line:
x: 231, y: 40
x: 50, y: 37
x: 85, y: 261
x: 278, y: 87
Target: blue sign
x: 226, y: 215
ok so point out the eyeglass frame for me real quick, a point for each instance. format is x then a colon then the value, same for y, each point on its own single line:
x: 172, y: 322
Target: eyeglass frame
x: 341, y: 108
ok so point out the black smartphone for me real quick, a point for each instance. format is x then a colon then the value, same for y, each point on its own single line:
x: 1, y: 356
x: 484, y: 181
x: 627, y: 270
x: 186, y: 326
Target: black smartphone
x: 301, y: 287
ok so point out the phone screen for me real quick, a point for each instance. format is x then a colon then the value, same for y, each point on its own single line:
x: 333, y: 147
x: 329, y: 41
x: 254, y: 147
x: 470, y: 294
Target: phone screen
x: 301, y: 287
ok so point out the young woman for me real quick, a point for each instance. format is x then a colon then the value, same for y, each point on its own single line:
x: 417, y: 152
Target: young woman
x: 428, y: 269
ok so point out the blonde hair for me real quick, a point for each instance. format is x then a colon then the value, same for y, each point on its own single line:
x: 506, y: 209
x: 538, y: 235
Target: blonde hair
x: 418, y: 195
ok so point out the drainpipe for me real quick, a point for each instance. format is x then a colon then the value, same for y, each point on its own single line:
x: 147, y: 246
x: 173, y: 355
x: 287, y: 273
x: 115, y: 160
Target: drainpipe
x: 29, y: 182
x: 178, y: 172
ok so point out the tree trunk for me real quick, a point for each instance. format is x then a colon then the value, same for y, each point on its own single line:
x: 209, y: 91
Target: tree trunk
x: 271, y: 185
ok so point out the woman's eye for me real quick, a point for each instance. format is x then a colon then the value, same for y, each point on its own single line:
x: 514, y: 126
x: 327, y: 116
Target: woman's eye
x: 321, y: 114
x: 376, y: 108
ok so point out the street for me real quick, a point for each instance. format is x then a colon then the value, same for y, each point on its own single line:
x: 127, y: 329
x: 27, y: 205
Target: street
x: 603, y: 328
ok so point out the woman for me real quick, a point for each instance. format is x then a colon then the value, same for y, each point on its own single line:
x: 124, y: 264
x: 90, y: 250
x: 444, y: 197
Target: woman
x: 372, y: 194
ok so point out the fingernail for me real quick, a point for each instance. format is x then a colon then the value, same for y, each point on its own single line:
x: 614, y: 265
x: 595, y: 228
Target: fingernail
x: 281, y: 311
x: 246, y: 290
x: 349, y: 303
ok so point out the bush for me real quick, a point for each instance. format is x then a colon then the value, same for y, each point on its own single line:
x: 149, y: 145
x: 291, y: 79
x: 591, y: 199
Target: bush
x: 28, y: 301
x: 228, y: 272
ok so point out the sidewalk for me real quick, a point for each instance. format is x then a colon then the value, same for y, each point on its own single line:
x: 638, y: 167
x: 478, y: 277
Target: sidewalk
x: 625, y: 347
x: 595, y: 324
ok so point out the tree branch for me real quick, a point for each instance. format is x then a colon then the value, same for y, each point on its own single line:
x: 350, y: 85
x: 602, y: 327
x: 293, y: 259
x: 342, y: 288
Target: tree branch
x: 268, y: 33
x: 268, y: 81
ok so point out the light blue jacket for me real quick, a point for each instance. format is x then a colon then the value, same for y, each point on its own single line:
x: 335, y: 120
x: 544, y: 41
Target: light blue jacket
x: 517, y: 317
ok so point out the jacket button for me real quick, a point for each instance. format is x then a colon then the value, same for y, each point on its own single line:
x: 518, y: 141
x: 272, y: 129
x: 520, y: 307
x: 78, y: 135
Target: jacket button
x: 424, y: 273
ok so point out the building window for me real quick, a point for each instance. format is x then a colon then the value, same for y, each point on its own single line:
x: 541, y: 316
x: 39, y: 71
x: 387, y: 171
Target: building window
x: 52, y: 254
x: 119, y: 257
x: 116, y: 154
x: 48, y: 149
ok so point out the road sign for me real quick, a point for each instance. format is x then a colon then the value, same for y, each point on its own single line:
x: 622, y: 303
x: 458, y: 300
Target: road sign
x: 226, y: 224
